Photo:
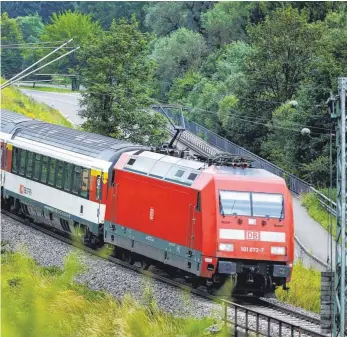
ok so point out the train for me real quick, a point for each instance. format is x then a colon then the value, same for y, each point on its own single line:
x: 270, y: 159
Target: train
x: 208, y: 221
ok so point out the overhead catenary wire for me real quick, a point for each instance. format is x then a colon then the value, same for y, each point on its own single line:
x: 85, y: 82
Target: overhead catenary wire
x: 30, y: 47
x: 256, y: 121
x: 58, y: 58
x: 30, y: 43
x: 37, y: 62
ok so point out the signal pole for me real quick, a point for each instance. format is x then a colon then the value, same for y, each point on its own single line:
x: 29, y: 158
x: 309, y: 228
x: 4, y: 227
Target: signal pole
x: 339, y: 324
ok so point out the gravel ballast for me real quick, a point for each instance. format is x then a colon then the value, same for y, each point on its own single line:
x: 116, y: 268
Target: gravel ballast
x: 102, y: 274
x: 115, y: 279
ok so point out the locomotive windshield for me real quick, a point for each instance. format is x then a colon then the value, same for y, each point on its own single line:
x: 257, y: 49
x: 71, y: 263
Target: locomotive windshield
x: 269, y: 205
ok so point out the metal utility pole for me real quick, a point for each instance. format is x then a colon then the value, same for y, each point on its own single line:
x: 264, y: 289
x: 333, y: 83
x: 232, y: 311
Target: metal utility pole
x: 339, y: 324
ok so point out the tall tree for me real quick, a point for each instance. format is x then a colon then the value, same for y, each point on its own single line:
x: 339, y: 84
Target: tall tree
x: 106, y: 11
x: 11, y: 56
x: 31, y: 27
x: 162, y: 18
x: 65, y: 26
x: 226, y: 22
x: 183, y: 50
x: 117, y: 73
x: 45, y: 9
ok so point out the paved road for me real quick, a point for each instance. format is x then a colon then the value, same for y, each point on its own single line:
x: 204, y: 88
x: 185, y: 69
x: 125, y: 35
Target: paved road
x: 66, y: 103
x: 313, y: 236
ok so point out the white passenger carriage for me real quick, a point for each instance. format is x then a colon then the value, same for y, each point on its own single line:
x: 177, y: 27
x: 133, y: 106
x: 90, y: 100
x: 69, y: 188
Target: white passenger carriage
x: 57, y: 175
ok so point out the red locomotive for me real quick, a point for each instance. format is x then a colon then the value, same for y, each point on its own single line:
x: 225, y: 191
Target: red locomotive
x: 205, y: 220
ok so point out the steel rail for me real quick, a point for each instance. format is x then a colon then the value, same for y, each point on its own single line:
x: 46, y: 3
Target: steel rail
x: 241, y: 308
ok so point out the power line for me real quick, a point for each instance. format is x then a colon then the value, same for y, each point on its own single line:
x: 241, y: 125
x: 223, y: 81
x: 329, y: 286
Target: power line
x: 29, y: 47
x: 261, y: 122
x: 30, y: 43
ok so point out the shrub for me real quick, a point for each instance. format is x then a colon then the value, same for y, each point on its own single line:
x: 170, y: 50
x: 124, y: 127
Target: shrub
x: 40, y: 301
x: 305, y: 288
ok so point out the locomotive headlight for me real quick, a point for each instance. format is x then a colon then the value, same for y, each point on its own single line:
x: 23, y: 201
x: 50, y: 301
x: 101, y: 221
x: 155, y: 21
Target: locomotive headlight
x: 227, y: 247
x: 278, y: 250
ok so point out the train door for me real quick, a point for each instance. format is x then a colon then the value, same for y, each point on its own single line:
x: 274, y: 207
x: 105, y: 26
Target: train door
x: 114, y: 191
x: 190, y: 242
x: 2, y: 159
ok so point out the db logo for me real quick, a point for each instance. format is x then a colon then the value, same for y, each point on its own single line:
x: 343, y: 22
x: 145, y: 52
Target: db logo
x: 252, y: 235
x: 21, y: 189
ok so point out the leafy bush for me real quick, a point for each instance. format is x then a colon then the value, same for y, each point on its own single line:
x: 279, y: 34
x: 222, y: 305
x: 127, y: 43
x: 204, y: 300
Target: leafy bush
x: 40, y: 301
x: 305, y: 288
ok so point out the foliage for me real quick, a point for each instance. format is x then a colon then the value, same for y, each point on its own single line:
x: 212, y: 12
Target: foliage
x: 237, y: 65
x: 226, y: 22
x: 38, y: 301
x: 317, y: 212
x: 163, y: 18
x: 183, y: 50
x: 11, y: 58
x: 117, y: 74
x: 12, y: 99
x: 43, y: 8
x: 31, y: 27
x: 106, y: 11
x: 305, y: 287
x: 65, y: 26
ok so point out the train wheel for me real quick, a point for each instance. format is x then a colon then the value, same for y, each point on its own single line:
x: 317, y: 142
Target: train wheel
x: 128, y: 257
x: 144, y: 264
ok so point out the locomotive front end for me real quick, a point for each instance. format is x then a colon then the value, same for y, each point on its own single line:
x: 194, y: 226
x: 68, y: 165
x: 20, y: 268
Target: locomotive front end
x: 254, y: 230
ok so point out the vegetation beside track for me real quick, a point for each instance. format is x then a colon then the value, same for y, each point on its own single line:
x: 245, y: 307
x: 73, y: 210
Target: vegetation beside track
x: 12, y: 99
x: 311, y: 202
x: 305, y: 288
x: 48, y: 89
x: 45, y: 301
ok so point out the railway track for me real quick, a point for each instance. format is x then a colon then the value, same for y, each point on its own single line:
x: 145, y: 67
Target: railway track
x: 261, y: 316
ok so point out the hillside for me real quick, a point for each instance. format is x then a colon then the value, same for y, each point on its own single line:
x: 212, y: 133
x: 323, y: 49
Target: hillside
x: 12, y: 99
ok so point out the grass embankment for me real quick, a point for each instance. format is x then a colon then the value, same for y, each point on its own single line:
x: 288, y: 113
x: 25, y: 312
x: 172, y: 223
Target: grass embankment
x: 317, y: 212
x: 12, y: 99
x: 305, y: 289
x: 39, y: 301
x: 48, y: 89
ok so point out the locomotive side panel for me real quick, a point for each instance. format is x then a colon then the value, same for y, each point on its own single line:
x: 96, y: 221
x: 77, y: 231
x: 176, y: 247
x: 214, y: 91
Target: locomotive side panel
x: 155, y: 218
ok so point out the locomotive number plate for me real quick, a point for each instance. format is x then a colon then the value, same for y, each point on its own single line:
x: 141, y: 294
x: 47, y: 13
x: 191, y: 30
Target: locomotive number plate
x: 250, y: 235
x: 252, y: 250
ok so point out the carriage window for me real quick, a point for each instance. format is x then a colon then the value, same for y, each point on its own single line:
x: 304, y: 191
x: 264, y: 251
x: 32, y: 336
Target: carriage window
x: 22, y: 156
x: 235, y: 203
x: 68, y: 177
x: 29, y: 169
x: 37, y: 167
x: 84, y: 191
x: 59, y: 178
x: 44, y: 173
x: 52, y: 167
x: 76, y: 179
x: 15, y: 160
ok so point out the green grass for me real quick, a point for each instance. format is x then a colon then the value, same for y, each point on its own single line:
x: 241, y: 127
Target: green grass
x: 12, y: 99
x: 305, y: 288
x: 317, y: 212
x: 41, y: 302
x: 48, y: 89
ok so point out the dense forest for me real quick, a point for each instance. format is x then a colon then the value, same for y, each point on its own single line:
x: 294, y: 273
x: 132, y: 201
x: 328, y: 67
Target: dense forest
x: 254, y: 72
